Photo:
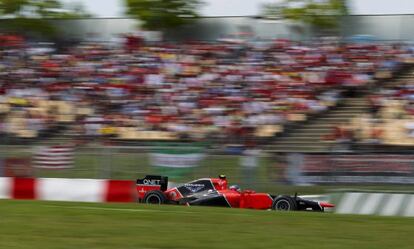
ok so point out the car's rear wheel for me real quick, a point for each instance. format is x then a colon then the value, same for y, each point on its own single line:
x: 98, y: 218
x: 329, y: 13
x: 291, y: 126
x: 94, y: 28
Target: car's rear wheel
x: 284, y: 203
x: 155, y: 197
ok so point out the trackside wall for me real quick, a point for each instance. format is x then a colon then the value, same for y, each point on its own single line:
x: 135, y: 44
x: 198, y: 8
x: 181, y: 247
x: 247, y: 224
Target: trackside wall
x: 374, y: 203
x: 61, y: 189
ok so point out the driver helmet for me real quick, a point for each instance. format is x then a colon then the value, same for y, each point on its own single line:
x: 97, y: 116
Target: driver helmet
x: 235, y: 188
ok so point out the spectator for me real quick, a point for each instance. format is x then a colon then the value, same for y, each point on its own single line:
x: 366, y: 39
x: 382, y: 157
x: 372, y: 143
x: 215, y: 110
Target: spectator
x: 221, y: 90
x: 249, y: 163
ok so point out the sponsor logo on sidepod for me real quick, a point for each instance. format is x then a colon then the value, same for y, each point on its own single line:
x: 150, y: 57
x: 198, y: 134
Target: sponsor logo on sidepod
x: 193, y: 187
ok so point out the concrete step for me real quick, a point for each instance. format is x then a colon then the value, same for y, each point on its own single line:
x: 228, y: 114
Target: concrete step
x: 327, y: 122
x: 330, y: 122
x: 315, y: 135
x: 315, y: 145
x: 319, y: 125
x: 309, y: 137
x: 312, y: 133
x: 342, y: 114
x: 295, y: 148
x: 353, y: 107
x: 355, y: 102
x: 274, y: 151
x: 336, y: 118
x: 317, y: 130
x: 347, y: 110
x: 300, y: 137
x: 303, y: 143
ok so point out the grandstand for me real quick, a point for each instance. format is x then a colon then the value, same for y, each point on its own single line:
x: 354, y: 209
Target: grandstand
x: 375, y: 118
x: 289, y: 96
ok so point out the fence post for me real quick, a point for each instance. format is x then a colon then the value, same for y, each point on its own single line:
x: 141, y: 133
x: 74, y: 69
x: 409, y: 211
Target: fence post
x: 106, y: 161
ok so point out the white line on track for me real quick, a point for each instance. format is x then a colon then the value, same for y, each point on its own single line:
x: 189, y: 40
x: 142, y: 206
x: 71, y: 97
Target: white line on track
x: 118, y: 209
x: 138, y: 210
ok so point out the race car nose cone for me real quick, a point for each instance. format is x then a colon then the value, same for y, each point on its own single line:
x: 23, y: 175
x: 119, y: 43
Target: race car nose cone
x: 326, y: 205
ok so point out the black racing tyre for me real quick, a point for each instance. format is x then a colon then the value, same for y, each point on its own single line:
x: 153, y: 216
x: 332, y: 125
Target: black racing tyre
x: 284, y: 203
x: 156, y: 197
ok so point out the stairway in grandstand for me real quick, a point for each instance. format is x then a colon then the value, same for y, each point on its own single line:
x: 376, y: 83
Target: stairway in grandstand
x: 309, y: 137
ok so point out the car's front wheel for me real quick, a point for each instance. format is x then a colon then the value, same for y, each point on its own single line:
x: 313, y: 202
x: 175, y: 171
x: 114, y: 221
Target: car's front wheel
x: 284, y: 203
x: 156, y: 197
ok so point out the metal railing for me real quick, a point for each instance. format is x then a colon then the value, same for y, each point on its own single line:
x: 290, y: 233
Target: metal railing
x: 273, y: 172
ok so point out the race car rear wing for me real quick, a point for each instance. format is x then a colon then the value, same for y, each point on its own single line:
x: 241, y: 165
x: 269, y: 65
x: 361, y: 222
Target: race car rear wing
x: 154, y: 180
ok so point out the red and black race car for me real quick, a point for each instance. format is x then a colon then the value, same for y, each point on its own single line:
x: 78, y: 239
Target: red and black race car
x: 154, y: 189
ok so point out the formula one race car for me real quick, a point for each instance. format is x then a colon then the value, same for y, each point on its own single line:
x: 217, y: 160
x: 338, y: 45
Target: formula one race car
x: 214, y: 192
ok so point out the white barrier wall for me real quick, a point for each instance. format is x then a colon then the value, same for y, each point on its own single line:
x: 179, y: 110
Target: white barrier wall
x: 5, y: 184
x: 85, y: 190
x: 61, y: 189
x: 369, y: 203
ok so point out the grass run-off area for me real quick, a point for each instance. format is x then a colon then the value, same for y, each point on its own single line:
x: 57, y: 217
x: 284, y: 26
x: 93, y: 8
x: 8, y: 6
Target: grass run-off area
x: 61, y: 225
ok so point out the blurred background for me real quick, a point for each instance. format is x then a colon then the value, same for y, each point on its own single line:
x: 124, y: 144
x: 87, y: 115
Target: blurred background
x: 278, y: 95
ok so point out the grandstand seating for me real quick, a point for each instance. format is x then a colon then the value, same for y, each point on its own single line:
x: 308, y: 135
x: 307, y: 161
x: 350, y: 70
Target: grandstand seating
x: 199, y: 91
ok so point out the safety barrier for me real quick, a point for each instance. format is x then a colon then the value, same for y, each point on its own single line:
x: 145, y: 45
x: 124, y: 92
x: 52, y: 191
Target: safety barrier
x: 374, y: 203
x: 98, y: 190
x: 61, y: 189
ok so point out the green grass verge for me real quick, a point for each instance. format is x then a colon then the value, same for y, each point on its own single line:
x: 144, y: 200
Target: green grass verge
x: 60, y: 225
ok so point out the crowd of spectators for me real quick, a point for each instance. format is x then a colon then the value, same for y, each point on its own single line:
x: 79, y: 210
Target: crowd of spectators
x: 391, y: 117
x: 194, y: 90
